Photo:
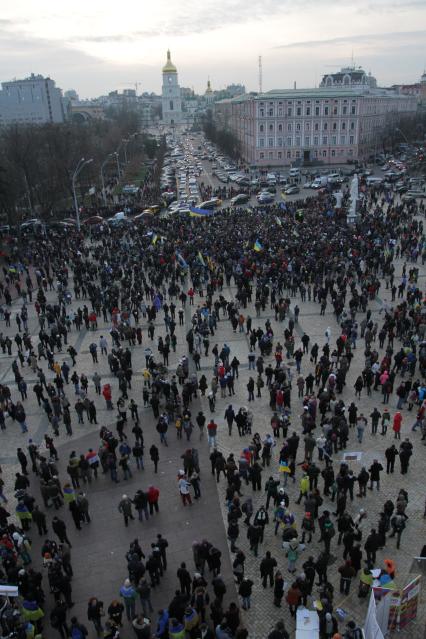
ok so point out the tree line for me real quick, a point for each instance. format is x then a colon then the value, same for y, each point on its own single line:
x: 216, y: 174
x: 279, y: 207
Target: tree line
x: 37, y: 162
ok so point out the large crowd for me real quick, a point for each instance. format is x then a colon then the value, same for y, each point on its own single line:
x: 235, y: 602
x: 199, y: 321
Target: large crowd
x: 137, y: 286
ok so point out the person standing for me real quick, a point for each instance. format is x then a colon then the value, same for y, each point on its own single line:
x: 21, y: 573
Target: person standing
x: 95, y: 612
x: 184, y: 486
x: 155, y: 456
x: 375, y: 470
x: 266, y: 568
x: 347, y: 572
x: 397, y: 423
x: 245, y: 592
x: 129, y: 595
x: 391, y: 454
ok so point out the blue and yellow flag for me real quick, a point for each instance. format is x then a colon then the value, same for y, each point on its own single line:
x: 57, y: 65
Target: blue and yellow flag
x: 257, y: 246
x: 154, y: 239
x: 201, y: 258
x: 181, y: 260
x: 283, y: 467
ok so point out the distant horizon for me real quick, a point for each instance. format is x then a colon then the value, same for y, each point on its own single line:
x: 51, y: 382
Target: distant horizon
x: 95, y: 50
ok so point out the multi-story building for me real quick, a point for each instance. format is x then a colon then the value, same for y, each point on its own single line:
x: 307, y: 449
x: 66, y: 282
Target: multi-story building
x: 33, y: 100
x: 341, y: 121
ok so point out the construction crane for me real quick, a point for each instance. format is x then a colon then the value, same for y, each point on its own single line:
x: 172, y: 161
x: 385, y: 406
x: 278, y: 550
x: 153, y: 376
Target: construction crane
x: 134, y: 84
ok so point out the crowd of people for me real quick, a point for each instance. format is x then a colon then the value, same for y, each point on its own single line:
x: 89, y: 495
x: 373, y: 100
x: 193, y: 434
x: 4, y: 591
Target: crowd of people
x: 132, y: 292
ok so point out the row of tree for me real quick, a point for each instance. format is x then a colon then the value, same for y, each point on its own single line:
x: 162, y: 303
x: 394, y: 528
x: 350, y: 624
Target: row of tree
x: 223, y: 138
x: 37, y: 162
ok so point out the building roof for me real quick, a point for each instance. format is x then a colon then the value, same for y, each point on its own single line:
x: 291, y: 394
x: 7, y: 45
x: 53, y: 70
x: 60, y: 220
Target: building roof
x: 315, y: 94
x: 169, y: 67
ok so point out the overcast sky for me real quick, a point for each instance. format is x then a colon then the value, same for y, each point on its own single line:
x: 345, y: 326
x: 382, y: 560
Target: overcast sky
x: 96, y: 46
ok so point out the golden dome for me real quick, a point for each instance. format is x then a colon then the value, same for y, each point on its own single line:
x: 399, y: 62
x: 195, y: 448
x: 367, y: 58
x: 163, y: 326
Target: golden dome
x: 169, y: 67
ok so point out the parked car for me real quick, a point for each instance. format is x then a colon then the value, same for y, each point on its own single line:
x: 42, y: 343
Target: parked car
x: 292, y: 189
x: 241, y: 198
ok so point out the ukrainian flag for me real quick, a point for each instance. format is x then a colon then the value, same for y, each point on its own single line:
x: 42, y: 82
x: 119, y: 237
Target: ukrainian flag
x: 201, y: 258
x: 257, y: 246
x: 181, y: 260
x: 283, y: 467
x: 196, y: 212
x: 154, y: 240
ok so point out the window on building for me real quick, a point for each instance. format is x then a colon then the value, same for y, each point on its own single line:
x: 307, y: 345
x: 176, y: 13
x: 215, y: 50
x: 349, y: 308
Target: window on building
x: 351, y: 139
x: 261, y: 156
x: 316, y: 140
x: 270, y: 142
x: 317, y: 110
x: 307, y: 126
x: 280, y: 111
x: 271, y: 112
x: 280, y: 155
x: 289, y: 141
x: 343, y: 126
x: 324, y: 154
x: 326, y: 110
x: 334, y: 126
x: 352, y: 126
x: 261, y: 142
x: 279, y: 141
x: 307, y: 140
x: 298, y: 126
x: 288, y: 154
x: 353, y: 110
x: 325, y: 126
x: 343, y: 139
x: 334, y: 139
x: 262, y: 112
x: 345, y: 110
x: 333, y: 153
x: 280, y: 127
x: 316, y: 126
x: 324, y: 139
x: 335, y: 110
x: 289, y: 126
x: 289, y: 111
x: 308, y: 110
x: 261, y: 128
x: 297, y: 142
x: 298, y: 111
x: 171, y: 105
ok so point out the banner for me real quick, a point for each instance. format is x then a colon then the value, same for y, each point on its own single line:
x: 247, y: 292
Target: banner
x: 372, y: 629
x: 387, y: 607
x: 409, y: 602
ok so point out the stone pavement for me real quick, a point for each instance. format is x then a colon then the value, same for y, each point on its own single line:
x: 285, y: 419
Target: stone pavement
x: 98, y: 552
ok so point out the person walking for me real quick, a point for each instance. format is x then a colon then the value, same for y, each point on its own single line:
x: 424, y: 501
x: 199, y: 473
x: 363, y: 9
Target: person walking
x: 60, y: 529
x: 125, y: 508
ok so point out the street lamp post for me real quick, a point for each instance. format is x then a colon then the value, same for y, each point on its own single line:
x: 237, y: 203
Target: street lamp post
x: 80, y: 166
x: 105, y: 162
x: 117, y: 158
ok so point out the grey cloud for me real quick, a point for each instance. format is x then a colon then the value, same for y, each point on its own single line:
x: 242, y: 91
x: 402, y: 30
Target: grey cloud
x: 372, y: 38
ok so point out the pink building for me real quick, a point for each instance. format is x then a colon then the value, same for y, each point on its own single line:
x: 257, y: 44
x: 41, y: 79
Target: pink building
x: 339, y: 122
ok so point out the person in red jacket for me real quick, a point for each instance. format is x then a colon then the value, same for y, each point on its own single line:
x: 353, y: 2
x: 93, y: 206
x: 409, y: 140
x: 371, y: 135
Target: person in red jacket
x: 397, y: 421
x: 106, y: 392
x: 153, y: 495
